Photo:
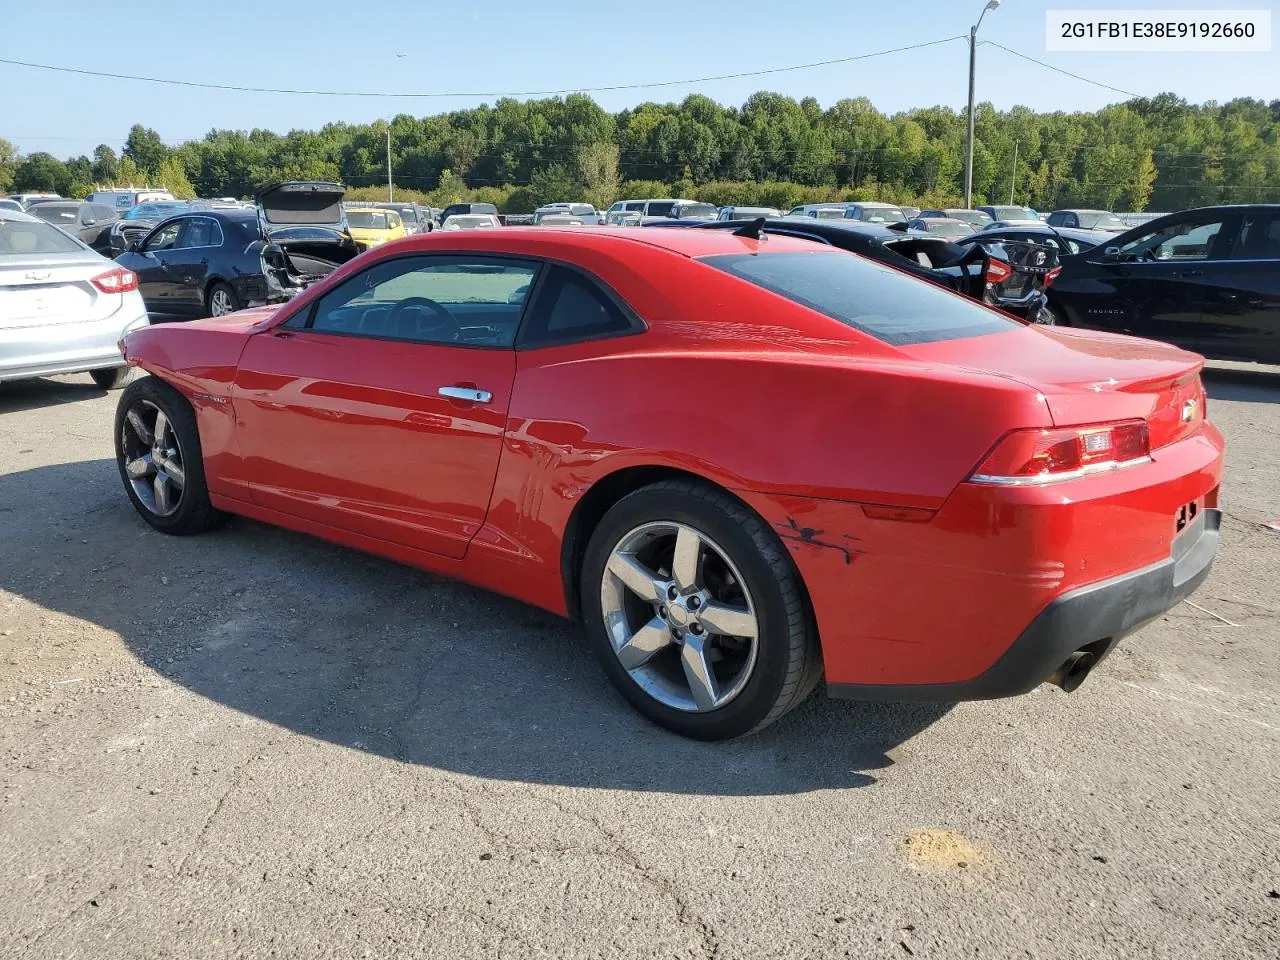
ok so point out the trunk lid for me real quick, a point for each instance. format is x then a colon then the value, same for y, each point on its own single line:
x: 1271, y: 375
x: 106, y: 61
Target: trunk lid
x: 52, y: 289
x: 302, y: 203
x: 1087, y: 376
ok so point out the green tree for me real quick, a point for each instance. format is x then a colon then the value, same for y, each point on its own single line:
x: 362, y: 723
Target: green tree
x: 8, y: 163
x: 41, y: 172
x: 173, y: 177
x: 145, y: 148
x: 128, y: 174
x: 598, y: 171
x: 554, y: 183
x: 106, y: 165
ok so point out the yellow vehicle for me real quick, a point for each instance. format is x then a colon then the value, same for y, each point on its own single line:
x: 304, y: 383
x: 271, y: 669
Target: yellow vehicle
x: 370, y: 226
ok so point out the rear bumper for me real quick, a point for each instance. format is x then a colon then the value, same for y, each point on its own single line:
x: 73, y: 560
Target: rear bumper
x: 44, y: 351
x: 1096, y: 617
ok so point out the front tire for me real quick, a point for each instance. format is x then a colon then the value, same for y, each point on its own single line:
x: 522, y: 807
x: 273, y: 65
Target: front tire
x: 115, y: 378
x: 221, y: 300
x: 697, y: 612
x: 159, y: 458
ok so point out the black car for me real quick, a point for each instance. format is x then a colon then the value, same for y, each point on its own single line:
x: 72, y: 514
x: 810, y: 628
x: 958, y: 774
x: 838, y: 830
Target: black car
x: 214, y: 262
x: 985, y: 272
x: 140, y: 220
x: 1206, y: 279
x: 89, y: 223
x: 1065, y: 240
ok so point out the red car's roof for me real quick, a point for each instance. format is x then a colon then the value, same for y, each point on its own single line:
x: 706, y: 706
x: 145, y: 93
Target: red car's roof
x: 686, y: 242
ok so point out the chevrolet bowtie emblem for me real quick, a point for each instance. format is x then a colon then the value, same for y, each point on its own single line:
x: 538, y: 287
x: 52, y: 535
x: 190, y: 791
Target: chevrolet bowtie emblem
x: 1189, y: 410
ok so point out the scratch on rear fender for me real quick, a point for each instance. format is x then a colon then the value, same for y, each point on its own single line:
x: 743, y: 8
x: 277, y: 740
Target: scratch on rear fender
x: 795, y: 533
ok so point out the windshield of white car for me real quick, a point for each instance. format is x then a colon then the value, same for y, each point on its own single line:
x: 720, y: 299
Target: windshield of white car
x: 1102, y: 221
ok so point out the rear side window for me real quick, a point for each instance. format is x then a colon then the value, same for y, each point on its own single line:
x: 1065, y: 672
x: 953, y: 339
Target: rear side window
x: 570, y: 306
x: 875, y: 299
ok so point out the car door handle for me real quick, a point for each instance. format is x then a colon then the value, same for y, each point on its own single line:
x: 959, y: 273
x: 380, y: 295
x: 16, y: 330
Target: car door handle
x: 466, y: 393
x: 1189, y: 273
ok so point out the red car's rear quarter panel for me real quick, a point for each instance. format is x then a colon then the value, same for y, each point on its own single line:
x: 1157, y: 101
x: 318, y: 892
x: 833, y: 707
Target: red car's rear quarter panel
x: 941, y: 601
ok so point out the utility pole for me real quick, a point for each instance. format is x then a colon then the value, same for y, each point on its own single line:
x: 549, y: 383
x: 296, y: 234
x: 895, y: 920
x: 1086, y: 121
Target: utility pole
x: 1014, y: 179
x: 973, y: 57
x: 389, y: 196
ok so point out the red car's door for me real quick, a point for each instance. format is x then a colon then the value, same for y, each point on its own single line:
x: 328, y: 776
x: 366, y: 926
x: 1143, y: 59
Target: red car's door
x: 381, y: 409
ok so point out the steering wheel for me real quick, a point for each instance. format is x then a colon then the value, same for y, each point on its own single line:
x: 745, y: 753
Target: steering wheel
x: 437, y: 324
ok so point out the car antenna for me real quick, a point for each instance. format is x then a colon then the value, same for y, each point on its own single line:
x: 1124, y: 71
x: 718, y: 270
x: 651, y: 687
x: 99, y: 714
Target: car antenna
x: 753, y: 230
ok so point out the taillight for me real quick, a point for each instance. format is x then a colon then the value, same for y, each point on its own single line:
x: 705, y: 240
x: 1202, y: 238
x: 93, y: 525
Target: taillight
x: 998, y: 271
x: 118, y: 280
x: 1027, y: 457
x: 1051, y: 276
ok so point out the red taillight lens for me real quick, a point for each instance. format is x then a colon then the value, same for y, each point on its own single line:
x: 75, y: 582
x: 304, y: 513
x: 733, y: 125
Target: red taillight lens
x: 118, y: 280
x: 1051, y: 276
x: 1044, y: 456
x: 998, y: 271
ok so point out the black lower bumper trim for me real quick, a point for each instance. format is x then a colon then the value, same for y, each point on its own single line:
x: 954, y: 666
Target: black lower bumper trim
x: 1093, y: 617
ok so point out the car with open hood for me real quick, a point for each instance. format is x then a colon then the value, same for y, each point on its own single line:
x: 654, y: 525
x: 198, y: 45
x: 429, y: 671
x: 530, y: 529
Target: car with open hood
x: 213, y: 262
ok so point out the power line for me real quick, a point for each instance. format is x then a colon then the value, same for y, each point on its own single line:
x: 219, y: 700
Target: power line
x: 471, y: 94
x: 1049, y: 66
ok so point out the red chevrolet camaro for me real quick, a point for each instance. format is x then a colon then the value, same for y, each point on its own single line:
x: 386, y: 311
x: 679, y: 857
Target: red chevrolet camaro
x: 746, y: 464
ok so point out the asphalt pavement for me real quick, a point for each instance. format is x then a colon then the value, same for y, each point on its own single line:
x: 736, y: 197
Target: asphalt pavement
x: 254, y: 744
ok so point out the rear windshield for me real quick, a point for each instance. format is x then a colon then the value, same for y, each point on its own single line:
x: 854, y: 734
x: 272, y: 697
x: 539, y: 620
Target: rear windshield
x: 694, y: 211
x: 661, y: 209
x: 829, y: 213
x: 877, y: 214
x: 870, y: 297
x: 1102, y: 221
x: 56, y: 212
x: 1014, y: 213
x: 19, y: 238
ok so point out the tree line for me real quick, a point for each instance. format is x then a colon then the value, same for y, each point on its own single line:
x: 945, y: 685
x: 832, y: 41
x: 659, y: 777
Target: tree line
x: 1158, y: 153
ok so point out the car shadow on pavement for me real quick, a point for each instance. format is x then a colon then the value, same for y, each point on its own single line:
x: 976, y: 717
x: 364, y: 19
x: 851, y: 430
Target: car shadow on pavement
x: 1246, y: 386
x: 358, y: 651
x: 19, y: 395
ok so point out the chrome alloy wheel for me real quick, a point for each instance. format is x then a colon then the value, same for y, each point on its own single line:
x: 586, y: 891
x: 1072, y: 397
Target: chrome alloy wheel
x: 220, y: 303
x: 679, y: 616
x: 153, y: 458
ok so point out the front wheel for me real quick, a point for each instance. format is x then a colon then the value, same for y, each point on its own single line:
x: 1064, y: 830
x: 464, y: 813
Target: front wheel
x: 158, y: 454
x: 697, y: 612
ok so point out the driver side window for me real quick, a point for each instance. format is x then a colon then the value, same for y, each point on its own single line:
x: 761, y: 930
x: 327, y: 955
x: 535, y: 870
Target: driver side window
x: 1177, y: 241
x: 464, y: 300
x: 164, y: 238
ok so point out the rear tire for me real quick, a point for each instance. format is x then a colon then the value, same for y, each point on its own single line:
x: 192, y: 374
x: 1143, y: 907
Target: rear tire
x: 221, y: 300
x: 160, y: 461
x: 741, y: 566
x: 115, y: 378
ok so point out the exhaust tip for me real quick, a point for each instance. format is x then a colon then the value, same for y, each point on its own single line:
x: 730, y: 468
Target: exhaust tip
x: 1072, y: 673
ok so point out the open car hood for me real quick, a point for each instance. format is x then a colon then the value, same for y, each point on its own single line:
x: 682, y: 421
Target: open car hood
x: 310, y: 203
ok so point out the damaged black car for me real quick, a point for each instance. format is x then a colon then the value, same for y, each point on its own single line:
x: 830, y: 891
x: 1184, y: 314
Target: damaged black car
x: 208, y: 263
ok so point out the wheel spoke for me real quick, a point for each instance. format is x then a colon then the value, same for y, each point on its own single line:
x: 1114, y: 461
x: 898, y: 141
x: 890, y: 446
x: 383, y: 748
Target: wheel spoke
x: 702, y: 682
x: 135, y: 420
x: 637, y: 578
x: 174, y: 471
x: 686, y: 564
x: 644, y: 643
x: 728, y: 620
x: 164, y: 501
x: 139, y: 467
x: 162, y: 426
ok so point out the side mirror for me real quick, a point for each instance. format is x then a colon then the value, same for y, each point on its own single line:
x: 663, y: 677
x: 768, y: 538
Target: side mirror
x: 131, y: 246
x: 89, y: 223
x: 1111, y: 252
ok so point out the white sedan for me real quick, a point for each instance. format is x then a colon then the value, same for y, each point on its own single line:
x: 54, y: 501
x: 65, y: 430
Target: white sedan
x: 63, y: 307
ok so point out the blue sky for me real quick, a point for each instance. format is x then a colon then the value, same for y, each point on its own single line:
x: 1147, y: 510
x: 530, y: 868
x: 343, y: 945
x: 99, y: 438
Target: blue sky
x: 516, y: 45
